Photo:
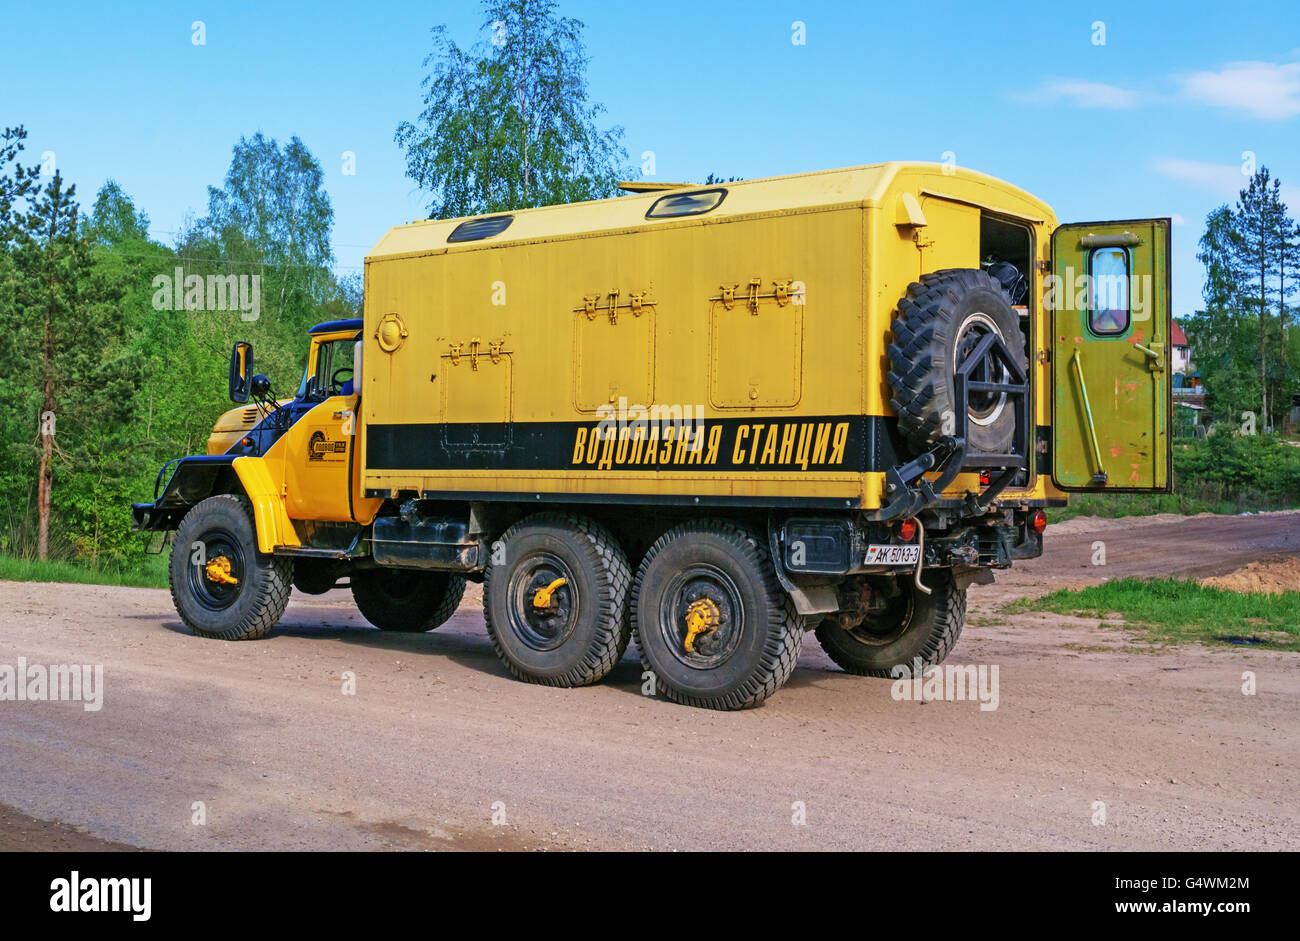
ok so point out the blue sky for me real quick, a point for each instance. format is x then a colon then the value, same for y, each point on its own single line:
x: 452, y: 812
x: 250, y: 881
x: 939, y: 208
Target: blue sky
x: 1153, y: 122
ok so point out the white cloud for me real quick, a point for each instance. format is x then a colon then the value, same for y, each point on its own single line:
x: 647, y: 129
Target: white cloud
x: 1224, y: 180
x: 1260, y: 89
x: 1083, y: 94
x: 1177, y: 219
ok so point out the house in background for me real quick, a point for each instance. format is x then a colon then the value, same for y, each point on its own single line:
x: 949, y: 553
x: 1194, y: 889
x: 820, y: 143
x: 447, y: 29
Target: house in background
x: 1182, y: 354
x: 1187, y: 378
x: 1189, y: 393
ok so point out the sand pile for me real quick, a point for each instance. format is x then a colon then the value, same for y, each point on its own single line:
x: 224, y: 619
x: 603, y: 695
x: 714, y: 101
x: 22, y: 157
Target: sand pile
x: 1277, y: 574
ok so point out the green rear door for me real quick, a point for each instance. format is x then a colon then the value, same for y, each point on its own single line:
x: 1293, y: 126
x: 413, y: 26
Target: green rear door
x: 1109, y: 297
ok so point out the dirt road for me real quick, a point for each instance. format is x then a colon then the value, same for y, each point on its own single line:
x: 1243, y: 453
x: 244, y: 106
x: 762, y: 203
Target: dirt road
x: 259, y: 740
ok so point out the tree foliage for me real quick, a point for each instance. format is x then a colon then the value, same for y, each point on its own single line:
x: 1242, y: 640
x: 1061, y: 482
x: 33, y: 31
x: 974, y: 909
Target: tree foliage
x: 1240, y: 341
x: 508, y: 123
x: 131, y: 383
x: 65, y: 357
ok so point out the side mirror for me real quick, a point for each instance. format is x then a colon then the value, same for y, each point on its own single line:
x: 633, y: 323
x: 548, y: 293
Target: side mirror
x: 241, y: 372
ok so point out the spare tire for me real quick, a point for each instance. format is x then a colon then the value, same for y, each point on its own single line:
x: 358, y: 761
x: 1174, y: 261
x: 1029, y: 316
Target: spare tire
x: 939, y: 321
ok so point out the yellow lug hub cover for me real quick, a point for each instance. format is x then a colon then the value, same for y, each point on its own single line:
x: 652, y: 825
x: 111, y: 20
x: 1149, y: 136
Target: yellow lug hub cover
x: 218, y: 570
x: 701, y: 618
x: 542, y: 599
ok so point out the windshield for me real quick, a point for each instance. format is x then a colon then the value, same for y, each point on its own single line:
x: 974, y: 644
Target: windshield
x: 333, y: 369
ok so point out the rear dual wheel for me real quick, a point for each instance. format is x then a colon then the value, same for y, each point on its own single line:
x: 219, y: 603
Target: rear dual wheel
x: 714, y: 626
x: 556, y: 604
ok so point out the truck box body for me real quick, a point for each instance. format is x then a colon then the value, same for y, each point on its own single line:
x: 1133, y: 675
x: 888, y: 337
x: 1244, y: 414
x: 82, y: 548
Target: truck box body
x: 762, y: 323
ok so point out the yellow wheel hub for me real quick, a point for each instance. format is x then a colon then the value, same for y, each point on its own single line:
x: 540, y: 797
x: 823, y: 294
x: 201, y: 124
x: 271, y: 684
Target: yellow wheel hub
x: 701, y: 618
x: 542, y: 599
x: 218, y: 570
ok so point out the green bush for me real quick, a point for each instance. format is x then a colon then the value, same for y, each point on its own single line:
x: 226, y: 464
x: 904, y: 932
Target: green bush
x: 1224, y: 473
x: 1239, y: 467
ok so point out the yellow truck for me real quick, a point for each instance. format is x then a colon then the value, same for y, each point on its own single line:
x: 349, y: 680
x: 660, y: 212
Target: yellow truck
x: 709, y: 418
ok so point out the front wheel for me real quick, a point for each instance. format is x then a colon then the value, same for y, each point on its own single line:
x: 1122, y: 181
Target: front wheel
x: 914, y: 629
x: 221, y: 585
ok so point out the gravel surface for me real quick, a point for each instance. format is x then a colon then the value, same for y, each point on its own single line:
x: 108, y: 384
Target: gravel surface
x: 438, y: 738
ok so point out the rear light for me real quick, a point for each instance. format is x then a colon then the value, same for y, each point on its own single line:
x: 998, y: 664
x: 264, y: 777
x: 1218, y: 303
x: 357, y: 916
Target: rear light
x: 984, y: 478
x: 246, y: 442
x: 1038, y: 521
x: 907, y: 529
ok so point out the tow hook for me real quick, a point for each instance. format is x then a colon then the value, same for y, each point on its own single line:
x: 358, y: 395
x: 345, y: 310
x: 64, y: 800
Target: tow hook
x: 218, y: 570
x: 702, y: 617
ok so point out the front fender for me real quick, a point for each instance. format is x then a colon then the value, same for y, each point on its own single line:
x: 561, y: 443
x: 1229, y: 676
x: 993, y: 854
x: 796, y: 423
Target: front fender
x: 274, y: 528
x: 196, y: 478
x: 192, y: 479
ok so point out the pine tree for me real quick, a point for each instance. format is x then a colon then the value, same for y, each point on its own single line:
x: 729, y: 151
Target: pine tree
x: 1219, y: 335
x: 15, y: 184
x: 1259, y: 219
x: 66, y: 311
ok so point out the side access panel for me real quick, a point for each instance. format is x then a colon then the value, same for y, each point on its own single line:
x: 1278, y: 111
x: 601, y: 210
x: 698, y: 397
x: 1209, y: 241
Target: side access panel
x: 1110, y: 352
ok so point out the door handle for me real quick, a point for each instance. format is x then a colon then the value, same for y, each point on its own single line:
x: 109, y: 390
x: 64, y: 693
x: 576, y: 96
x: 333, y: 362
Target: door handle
x: 1099, y: 476
x: 1156, y: 361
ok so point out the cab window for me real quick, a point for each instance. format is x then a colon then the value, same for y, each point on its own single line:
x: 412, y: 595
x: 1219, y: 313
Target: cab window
x: 334, y: 370
x: 1108, y: 303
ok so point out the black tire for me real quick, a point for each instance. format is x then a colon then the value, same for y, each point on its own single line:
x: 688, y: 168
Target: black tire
x: 317, y: 576
x: 941, y: 318
x: 754, y: 646
x: 249, y: 607
x: 579, y: 637
x: 916, y: 626
x: 405, y: 600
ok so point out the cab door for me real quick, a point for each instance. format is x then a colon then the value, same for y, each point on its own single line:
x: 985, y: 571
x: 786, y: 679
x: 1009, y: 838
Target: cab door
x: 320, y: 462
x: 1110, y: 354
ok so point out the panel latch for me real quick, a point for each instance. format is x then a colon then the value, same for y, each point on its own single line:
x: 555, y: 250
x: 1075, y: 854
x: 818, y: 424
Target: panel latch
x: 782, y: 292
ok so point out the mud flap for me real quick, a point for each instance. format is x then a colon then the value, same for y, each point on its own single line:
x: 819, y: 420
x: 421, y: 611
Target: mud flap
x: 968, y: 575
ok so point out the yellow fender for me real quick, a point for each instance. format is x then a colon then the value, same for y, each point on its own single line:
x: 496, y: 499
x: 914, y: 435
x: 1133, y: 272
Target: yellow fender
x: 274, y: 528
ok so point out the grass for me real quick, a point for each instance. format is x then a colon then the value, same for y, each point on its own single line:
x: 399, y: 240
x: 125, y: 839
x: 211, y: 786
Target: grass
x: 1175, y: 610
x: 150, y: 572
x: 1148, y: 504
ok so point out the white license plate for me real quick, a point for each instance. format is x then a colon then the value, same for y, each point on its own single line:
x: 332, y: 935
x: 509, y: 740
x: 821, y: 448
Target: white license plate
x: 892, y: 555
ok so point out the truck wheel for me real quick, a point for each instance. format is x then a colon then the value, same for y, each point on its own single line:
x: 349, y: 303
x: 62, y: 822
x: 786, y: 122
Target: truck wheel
x: 556, y: 608
x: 226, y: 589
x: 915, y: 625
x: 713, y: 624
x: 408, y: 601
x: 940, y: 320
